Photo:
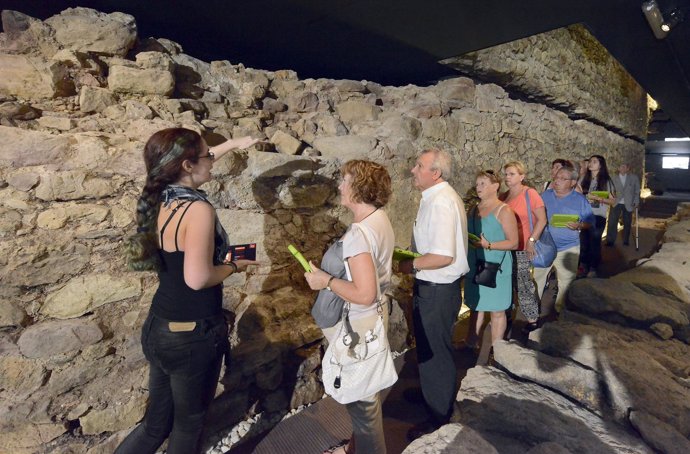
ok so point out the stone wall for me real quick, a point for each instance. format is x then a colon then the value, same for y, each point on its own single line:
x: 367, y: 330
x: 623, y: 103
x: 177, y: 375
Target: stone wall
x: 80, y: 93
x: 569, y: 70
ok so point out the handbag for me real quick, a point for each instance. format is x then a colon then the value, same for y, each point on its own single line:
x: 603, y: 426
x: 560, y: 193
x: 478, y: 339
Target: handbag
x: 485, y: 272
x: 358, y: 363
x: 545, y: 247
x: 328, y: 307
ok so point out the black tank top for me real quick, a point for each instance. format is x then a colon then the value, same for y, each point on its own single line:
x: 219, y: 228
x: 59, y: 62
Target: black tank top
x: 174, y: 299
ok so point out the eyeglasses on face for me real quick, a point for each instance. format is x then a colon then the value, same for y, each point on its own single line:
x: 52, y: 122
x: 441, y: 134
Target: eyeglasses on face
x: 210, y: 156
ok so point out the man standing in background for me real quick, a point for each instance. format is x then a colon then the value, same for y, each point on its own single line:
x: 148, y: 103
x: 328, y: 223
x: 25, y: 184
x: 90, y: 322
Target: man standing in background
x: 627, y: 199
x: 440, y: 235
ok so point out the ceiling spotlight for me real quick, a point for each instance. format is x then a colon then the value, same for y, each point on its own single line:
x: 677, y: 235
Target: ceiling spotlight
x: 651, y: 11
x: 673, y: 18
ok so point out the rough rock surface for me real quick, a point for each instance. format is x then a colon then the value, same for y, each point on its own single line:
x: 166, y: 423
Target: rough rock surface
x: 80, y: 94
x: 512, y: 415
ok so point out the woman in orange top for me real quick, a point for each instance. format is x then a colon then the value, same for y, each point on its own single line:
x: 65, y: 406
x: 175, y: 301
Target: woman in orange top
x: 514, y: 175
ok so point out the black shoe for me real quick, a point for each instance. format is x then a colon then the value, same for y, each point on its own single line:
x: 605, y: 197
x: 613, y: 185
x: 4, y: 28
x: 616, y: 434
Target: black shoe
x: 625, y: 243
x: 421, y: 429
x: 611, y: 244
x: 529, y: 327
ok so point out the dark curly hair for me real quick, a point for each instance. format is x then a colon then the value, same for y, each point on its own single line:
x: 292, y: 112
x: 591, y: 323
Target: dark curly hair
x: 371, y: 182
x: 164, y: 154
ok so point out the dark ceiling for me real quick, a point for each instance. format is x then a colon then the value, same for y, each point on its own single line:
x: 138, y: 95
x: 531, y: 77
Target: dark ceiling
x: 400, y: 41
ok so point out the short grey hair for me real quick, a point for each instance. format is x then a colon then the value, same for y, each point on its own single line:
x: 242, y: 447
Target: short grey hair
x: 573, y: 172
x: 443, y: 162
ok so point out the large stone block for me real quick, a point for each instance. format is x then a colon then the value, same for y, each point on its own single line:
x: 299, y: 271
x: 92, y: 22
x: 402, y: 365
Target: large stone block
x: 116, y: 416
x: 87, y: 30
x: 149, y: 81
x: 85, y: 293
x: 355, y: 111
x: 30, y: 77
x: 345, y: 148
x: 94, y: 99
x: 73, y: 185
x: 285, y: 143
x: 50, y: 338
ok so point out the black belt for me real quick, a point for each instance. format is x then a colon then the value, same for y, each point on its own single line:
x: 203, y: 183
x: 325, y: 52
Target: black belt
x: 431, y: 284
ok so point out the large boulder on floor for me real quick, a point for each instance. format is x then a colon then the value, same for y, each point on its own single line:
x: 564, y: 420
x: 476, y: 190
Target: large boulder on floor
x: 658, y: 434
x: 451, y: 439
x: 560, y: 374
x: 654, y: 282
x: 514, y: 417
x: 625, y: 303
x: 672, y: 259
x: 678, y: 232
x: 637, y: 370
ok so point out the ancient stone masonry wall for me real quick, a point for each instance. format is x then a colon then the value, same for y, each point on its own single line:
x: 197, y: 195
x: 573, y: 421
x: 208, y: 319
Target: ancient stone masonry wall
x: 80, y: 93
x: 569, y: 70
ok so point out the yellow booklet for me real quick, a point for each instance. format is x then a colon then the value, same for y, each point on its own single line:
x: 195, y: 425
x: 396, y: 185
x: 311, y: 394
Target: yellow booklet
x: 601, y: 194
x: 403, y: 254
x: 562, y: 220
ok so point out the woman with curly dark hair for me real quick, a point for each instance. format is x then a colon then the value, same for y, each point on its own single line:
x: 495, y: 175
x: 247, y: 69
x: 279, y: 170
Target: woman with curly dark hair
x: 595, y: 181
x: 184, y: 337
x: 367, y: 249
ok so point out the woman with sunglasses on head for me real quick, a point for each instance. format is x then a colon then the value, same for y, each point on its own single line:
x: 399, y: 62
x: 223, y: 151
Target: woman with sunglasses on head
x: 516, y: 197
x: 493, y: 222
x: 185, y: 336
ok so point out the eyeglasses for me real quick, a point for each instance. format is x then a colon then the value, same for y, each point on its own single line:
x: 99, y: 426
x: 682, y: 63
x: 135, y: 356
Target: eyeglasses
x: 210, y: 156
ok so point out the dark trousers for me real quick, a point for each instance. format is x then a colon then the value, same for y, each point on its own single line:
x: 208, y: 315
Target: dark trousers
x: 590, y: 244
x: 435, y: 309
x: 618, y: 211
x: 184, y: 370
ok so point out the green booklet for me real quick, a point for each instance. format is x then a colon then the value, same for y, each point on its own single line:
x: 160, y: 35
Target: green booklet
x: 473, y: 238
x: 562, y: 220
x: 403, y: 254
x: 601, y: 194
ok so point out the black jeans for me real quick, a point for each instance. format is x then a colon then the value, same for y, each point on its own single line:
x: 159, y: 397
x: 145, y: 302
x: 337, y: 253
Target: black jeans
x: 590, y: 244
x: 184, y: 370
x: 435, y: 310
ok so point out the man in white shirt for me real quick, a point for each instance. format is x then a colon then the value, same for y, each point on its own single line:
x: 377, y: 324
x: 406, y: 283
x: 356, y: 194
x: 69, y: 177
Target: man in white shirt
x: 440, y: 235
x: 627, y: 199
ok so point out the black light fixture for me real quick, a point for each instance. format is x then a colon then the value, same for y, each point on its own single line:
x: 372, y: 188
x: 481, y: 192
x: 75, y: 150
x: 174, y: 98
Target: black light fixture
x: 660, y: 26
x: 651, y: 11
x: 672, y: 19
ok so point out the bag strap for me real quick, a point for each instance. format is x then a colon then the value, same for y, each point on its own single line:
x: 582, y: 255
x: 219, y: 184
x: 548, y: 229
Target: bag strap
x: 474, y: 222
x: 529, y: 211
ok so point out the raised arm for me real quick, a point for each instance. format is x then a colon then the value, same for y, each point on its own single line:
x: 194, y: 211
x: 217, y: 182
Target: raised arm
x: 241, y: 142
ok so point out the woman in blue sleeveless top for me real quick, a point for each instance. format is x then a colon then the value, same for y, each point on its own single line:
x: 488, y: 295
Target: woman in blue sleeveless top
x: 494, y: 223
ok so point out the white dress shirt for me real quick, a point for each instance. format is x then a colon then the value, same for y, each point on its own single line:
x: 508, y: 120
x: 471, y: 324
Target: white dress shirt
x: 441, y: 228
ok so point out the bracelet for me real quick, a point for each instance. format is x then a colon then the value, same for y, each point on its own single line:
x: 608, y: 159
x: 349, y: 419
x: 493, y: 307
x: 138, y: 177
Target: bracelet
x: 489, y: 246
x: 234, y: 266
x: 328, y: 284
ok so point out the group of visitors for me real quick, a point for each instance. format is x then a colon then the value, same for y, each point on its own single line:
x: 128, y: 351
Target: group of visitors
x: 185, y: 338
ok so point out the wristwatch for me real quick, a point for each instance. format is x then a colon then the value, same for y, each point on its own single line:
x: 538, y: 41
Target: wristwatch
x: 414, y: 270
x: 328, y: 285
x: 532, y: 240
